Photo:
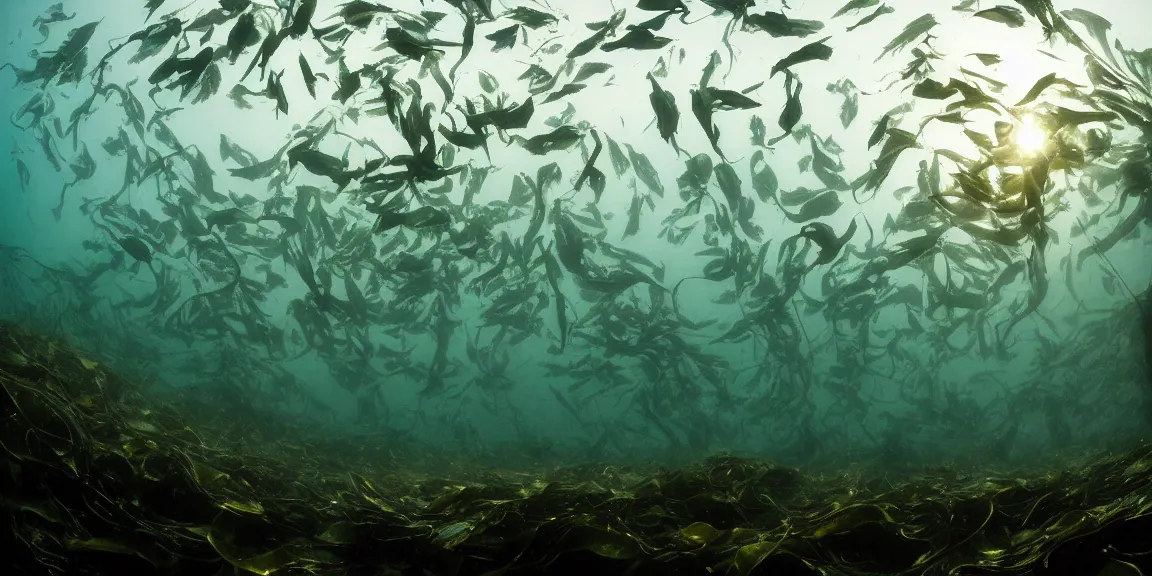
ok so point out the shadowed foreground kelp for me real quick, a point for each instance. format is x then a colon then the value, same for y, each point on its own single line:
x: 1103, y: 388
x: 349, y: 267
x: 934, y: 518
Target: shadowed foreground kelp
x: 100, y: 478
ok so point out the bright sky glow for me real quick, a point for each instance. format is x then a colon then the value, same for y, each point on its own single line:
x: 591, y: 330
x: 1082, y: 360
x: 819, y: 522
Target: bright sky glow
x: 1030, y: 137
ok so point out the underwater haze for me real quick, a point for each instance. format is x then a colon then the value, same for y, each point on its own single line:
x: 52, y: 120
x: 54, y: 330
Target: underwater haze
x: 822, y: 233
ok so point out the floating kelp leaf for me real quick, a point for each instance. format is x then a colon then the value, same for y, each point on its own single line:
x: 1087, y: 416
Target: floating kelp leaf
x: 420, y: 24
x: 980, y: 140
x: 189, y: 69
x: 645, y: 171
x: 824, y: 205
x: 793, y: 109
x: 854, y: 5
x: 1068, y: 117
x: 302, y: 19
x: 590, y: 69
x: 850, y: 107
x: 566, y: 90
x: 661, y: 5
x: 817, y: 50
x: 911, y: 32
x: 467, y: 140
x: 881, y: 11
x: 360, y: 13
x: 531, y: 18
x: 898, y: 141
x: 1097, y: 26
x: 136, y: 248
x: 547, y: 175
x: 633, y: 225
x: 504, y: 38
x: 71, y: 58
x: 268, y: 48
x: 539, y: 79
x: 467, y: 42
x: 933, y: 90
x: 719, y: 269
x: 637, y: 39
x: 903, y: 254
x: 232, y: 151
x: 348, y: 85
x: 510, y: 118
x: 956, y: 117
x: 403, y: 42
x: 423, y: 217
x: 1041, y: 85
x: 880, y: 130
x: 589, y: 170
x: 210, y: 84
x: 667, y: 114
x: 987, y: 59
x: 152, y: 6
x: 730, y: 186
x: 288, y: 224
x: 725, y: 100
x: 993, y: 84
x: 66, y: 64
x: 83, y: 167
x: 975, y: 186
x: 830, y: 245
x: 656, y: 22
x: 597, y: 181
x: 562, y: 118
x: 561, y: 138
x: 798, y: 196
x: 758, y: 129
x: 552, y: 271
x: 244, y: 34
x: 309, y: 77
x: 778, y: 25
x: 227, y: 217
x: 1139, y: 63
x: 620, y: 162
x: 1010, y: 16
x: 488, y: 82
x: 603, y: 30
x: 702, y: 110
x: 660, y: 70
x: 743, y: 209
x: 764, y: 180
x: 696, y: 176
x: 275, y: 89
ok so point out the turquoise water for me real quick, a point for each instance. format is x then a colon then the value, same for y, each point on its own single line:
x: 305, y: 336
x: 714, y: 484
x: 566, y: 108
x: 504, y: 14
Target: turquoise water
x: 785, y: 290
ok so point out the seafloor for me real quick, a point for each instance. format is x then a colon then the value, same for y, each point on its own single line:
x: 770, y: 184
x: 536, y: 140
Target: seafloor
x: 103, y: 478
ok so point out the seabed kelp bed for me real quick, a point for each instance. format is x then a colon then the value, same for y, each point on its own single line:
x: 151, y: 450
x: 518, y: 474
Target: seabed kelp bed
x: 98, y: 479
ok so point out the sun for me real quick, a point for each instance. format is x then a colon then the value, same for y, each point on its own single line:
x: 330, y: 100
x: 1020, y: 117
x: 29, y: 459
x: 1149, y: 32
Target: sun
x: 1030, y: 136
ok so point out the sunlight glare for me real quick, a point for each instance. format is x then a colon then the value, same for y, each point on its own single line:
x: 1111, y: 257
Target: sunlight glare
x: 1030, y: 137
